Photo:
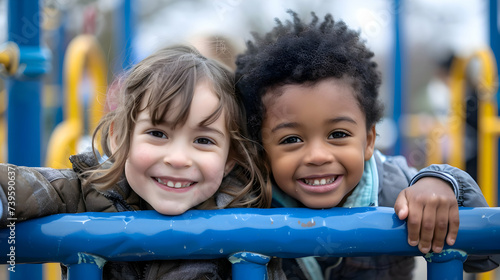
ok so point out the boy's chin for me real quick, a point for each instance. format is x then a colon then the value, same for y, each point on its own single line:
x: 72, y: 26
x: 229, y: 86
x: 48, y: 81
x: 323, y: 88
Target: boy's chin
x: 315, y: 204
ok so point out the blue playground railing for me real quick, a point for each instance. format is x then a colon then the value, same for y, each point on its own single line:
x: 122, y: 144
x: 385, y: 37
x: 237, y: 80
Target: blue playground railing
x: 248, y: 237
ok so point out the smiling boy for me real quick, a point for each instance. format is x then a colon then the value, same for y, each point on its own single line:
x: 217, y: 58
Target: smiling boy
x: 311, y: 96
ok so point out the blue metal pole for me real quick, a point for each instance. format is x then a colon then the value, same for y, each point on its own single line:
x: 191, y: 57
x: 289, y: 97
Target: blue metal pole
x: 24, y: 95
x: 495, y: 47
x: 447, y: 265
x: 24, y: 90
x: 398, y: 100
x: 89, y: 267
x: 124, y: 32
x: 248, y: 265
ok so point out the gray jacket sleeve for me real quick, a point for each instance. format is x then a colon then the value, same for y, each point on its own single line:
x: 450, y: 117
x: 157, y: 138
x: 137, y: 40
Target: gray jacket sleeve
x: 28, y: 193
x: 395, y: 175
x: 466, y: 190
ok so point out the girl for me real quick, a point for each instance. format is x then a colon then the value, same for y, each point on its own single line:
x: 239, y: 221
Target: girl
x: 171, y: 142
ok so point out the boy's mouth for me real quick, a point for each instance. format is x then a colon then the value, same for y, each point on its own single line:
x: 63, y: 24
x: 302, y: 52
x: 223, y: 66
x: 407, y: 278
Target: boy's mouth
x: 173, y: 184
x: 319, y: 181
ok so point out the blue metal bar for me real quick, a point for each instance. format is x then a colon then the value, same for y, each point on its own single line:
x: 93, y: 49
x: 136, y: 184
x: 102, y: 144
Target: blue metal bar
x: 289, y: 233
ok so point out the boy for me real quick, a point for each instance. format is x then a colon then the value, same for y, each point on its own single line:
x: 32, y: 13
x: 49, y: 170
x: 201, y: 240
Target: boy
x: 311, y: 96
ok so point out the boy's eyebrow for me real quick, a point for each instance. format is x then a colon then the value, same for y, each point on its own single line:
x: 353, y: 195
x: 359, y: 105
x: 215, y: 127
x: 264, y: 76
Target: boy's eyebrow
x: 285, y: 125
x: 295, y: 125
x: 342, y: 119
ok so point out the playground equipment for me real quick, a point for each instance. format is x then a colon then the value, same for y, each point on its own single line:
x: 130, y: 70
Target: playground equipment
x: 24, y: 91
x: 83, y: 55
x: 247, y: 237
x: 488, y: 121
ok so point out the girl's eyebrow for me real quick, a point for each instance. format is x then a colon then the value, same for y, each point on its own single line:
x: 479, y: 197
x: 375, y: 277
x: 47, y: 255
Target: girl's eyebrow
x: 202, y: 128
x: 285, y: 125
x: 210, y: 129
x: 144, y: 119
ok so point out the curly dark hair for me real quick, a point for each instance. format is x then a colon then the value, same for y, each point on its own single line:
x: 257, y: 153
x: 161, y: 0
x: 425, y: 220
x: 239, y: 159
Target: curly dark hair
x: 298, y: 53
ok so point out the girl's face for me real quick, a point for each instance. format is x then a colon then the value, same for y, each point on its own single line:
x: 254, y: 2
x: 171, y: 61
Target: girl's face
x: 175, y: 169
x: 316, y: 141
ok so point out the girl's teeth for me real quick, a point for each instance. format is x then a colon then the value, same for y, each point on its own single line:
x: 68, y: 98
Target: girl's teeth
x: 171, y: 184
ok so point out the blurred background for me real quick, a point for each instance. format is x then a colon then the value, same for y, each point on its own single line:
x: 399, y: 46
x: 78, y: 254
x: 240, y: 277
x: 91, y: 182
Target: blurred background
x: 436, y: 58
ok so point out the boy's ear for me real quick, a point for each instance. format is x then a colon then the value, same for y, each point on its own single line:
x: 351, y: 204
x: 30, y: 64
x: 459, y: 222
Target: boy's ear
x: 370, y: 142
x: 229, y: 166
x: 112, y: 138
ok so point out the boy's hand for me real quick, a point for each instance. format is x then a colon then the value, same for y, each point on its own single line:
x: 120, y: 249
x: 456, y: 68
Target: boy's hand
x: 432, y: 211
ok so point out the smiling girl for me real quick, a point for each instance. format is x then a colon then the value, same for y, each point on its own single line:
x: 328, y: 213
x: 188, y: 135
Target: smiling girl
x: 174, y: 142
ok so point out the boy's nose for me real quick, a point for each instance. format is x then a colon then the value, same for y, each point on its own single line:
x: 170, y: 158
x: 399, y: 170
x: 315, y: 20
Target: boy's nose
x: 318, y: 154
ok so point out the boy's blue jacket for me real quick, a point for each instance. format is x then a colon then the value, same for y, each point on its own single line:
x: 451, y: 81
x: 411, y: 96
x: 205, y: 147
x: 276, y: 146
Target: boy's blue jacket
x: 383, y: 179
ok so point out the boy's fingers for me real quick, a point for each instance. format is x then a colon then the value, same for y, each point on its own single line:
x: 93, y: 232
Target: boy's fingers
x: 401, y: 206
x: 413, y: 223
x: 453, y: 224
x: 441, y: 228
x: 427, y: 229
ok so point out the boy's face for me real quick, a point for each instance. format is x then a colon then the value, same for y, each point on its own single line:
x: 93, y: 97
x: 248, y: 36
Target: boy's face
x: 177, y: 168
x: 316, y: 141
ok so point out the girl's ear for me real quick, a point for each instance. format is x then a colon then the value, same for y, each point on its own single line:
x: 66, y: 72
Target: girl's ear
x: 112, y: 138
x: 370, y: 142
x: 230, y: 163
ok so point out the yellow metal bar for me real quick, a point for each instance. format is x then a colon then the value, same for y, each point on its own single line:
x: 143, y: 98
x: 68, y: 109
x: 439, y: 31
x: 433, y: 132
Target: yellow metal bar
x: 9, y: 57
x: 4, y: 58
x: 52, y: 271
x: 456, y: 123
x: 488, y: 127
x: 434, y: 149
x: 83, y: 56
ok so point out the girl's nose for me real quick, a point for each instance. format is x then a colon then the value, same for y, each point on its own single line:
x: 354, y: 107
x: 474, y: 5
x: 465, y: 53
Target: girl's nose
x: 318, y: 154
x: 177, y: 157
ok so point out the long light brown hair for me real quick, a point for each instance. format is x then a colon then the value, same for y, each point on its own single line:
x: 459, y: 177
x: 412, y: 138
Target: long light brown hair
x: 168, y: 74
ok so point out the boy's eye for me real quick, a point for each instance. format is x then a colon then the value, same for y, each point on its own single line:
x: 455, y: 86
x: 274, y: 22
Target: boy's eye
x: 156, y: 133
x: 338, y: 134
x: 291, y: 140
x: 204, y: 141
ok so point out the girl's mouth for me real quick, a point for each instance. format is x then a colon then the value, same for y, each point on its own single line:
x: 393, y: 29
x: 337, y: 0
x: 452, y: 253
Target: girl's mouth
x: 173, y: 184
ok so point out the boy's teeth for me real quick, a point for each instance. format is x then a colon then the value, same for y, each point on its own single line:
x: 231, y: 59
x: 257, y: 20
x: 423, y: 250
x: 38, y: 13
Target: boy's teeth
x: 171, y: 184
x: 319, y: 182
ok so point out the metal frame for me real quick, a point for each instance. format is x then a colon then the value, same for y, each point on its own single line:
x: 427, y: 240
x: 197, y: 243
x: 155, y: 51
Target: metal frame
x: 248, y: 237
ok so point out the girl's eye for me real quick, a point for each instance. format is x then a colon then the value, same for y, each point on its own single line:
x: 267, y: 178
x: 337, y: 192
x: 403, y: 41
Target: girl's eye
x: 204, y: 141
x: 291, y: 140
x: 338, y: 134
x: 158, y: 134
